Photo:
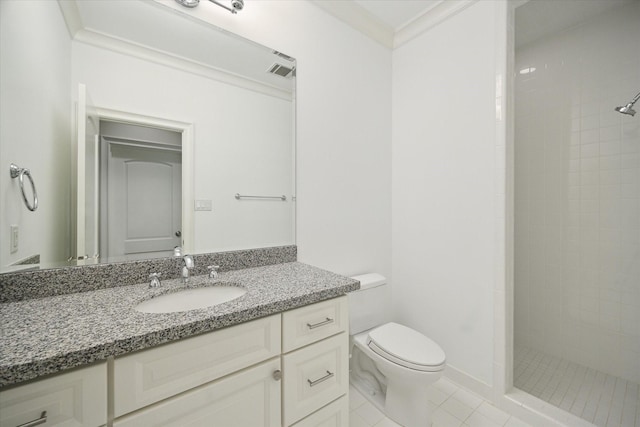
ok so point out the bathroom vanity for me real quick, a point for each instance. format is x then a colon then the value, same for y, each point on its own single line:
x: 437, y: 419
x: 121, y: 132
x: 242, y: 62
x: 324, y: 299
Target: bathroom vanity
x: 277, y: 356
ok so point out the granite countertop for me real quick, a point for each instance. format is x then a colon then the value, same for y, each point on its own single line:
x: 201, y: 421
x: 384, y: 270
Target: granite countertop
x: 47, y: 335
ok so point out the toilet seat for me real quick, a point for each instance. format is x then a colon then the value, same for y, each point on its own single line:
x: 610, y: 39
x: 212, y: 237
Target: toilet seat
x: 406, y: 347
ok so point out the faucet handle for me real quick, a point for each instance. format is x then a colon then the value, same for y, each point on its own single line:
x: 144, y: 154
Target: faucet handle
x: 213, y: 271
x: 155, y: 281
x: 188, y: 261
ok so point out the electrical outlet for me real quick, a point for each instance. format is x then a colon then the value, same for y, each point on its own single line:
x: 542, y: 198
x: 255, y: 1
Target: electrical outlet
x: 14, y: 238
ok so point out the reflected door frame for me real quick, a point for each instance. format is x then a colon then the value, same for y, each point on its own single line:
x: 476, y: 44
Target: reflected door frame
x: 186, y: 130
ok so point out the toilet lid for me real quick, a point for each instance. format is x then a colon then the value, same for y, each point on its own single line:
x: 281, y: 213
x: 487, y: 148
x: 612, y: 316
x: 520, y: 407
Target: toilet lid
x: 406, y: 347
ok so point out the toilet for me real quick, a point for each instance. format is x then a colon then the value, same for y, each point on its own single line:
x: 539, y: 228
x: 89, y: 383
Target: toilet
x: 391, y: 364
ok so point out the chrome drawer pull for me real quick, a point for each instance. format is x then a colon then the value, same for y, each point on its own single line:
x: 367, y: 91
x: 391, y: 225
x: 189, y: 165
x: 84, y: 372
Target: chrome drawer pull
x: 41, y: 420
x: 319, y: 380
x: 317, y: 325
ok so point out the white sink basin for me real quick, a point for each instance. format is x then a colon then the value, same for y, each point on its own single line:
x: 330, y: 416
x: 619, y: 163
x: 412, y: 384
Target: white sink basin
x: 191, y: 299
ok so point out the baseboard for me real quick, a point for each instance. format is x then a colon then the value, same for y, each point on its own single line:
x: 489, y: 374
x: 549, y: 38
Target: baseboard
x: 469, y: 382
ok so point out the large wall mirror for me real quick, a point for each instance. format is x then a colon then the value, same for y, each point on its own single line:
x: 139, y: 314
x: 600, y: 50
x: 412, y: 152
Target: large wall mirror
x: 143, y: 128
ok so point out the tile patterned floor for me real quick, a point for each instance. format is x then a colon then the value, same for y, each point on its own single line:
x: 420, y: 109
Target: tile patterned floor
x: 452, y: 406
x: 601, y: 399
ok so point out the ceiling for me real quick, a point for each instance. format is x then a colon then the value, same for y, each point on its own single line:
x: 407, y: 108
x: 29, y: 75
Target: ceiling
x: 538, y: 18
x: 396, y: 14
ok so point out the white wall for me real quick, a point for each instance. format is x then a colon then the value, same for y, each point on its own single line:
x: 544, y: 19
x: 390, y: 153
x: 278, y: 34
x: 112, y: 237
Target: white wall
x: 444, y: 203
x: 34, y: 118
x: 242, y: 142
x: 578, y: 195
x: 343, y: 131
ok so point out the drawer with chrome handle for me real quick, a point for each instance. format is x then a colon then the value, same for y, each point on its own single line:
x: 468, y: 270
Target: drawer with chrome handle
x: 321, y: 379
x: 315, y: 376
x: 319, y: 324
x: 37, y: 422
x: 312, y: 323
x: 74, y: 398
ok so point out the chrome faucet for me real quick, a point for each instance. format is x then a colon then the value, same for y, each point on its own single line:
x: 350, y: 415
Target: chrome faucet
x: 188, y: 265
x: 213, y: 271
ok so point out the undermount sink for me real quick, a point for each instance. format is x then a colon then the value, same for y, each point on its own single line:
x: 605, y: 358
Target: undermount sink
x: 191, y: 299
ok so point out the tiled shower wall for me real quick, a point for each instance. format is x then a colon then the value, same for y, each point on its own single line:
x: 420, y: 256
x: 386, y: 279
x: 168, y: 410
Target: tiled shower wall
x: 577, y: 194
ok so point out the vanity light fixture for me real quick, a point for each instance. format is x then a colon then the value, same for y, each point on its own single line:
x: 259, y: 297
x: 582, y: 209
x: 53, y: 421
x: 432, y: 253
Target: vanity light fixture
x: 236, y: 5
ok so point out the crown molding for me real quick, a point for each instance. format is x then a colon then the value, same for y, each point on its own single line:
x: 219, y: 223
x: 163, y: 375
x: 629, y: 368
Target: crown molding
x: 358, y: 18
x: 126, y: 47
x: 432, y: 17
x: 362, y: 20
x: 72, y: 18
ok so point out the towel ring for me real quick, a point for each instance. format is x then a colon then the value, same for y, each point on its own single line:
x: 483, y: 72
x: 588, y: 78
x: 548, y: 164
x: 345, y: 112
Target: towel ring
x: 18, y: 172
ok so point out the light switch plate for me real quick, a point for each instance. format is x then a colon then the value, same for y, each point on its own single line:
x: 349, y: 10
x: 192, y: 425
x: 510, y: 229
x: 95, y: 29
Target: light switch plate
x: 204, y: 205
x: 14, y: 238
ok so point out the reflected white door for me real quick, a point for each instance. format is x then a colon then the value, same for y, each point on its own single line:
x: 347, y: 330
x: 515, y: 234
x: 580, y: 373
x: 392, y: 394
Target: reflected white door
x: 144, y: 199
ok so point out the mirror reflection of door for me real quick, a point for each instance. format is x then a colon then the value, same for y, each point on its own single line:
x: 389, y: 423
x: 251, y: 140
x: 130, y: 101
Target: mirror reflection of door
x: 141, y: 190
x: 86, y: 178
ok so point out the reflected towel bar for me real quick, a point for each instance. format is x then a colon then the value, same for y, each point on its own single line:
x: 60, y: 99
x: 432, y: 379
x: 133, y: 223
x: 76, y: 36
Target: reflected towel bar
x: 240, y: 196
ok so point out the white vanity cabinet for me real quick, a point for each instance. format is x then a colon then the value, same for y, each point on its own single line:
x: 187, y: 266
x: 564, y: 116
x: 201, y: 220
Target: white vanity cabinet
x: 278, y: 371
x: 76, y: 398
x: 275, y: 371
x: 315, y: 363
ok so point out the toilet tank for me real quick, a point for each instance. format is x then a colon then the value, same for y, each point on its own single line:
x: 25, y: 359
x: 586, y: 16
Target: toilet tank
x: 368, y: 306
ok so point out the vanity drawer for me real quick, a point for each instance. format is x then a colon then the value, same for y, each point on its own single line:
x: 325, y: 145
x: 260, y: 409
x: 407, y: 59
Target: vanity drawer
x: 335, y: 414
x: 148, y: 376
x: 314, y: 376
x: 314, y: 322
x: 246, y: 399
x: 76, y: 398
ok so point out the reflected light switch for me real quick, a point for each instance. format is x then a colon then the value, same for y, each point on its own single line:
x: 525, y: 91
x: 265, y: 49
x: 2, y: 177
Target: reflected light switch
x: 14, y: 239
x: 203, y: 205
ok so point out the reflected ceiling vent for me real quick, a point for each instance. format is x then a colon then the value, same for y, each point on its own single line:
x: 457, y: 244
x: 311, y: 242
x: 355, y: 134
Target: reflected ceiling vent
x: 281, y: 70
x: 284, y: 56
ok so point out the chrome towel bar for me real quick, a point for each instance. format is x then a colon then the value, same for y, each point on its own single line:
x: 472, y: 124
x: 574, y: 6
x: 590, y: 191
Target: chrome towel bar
x: 18, y: 172
x: 240, y: 196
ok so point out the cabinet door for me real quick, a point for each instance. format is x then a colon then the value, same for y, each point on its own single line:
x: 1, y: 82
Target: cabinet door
x: 149, y: 376
x: 76, y: 398
x: 314, y: 376
x: 249, y: 398
x: 335, y: 414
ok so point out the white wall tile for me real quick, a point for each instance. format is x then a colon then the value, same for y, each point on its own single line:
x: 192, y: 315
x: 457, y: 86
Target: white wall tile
x: 579, y: 213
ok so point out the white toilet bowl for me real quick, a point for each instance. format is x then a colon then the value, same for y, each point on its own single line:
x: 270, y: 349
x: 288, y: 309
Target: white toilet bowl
x: 392, y: 365
x: 408, y: 371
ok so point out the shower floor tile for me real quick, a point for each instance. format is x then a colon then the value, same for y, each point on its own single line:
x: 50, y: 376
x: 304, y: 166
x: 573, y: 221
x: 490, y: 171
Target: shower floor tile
x: 599, y: 398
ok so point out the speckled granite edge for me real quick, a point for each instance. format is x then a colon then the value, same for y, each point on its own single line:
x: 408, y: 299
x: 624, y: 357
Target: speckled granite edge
x: 29, y: 284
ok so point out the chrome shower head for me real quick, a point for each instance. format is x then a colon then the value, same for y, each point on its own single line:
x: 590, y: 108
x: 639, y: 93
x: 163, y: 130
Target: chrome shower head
x: 628, y: 109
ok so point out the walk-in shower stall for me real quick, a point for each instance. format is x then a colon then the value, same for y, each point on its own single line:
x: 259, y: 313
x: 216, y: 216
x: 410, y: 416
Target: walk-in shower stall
x: 577, y: 207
